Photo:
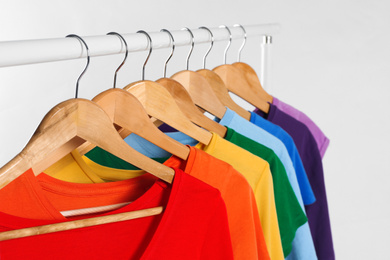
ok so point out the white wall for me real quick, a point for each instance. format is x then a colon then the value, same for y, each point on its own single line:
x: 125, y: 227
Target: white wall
x: 331, y: 60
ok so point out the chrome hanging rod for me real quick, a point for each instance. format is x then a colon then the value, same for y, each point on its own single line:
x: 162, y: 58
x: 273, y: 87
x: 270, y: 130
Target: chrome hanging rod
x: 13, y: 53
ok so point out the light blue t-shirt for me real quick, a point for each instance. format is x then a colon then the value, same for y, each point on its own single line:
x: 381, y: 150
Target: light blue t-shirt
x: 304, y: 184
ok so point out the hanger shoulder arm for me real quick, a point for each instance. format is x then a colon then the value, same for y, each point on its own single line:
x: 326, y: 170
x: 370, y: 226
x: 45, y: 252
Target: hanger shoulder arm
x: 200, y: 92
x: 127, y: 112
x: 159, y: 104
x: 222, y: 92
x: 236, y: 82
x: 253, y: 80
x: 188, y: 107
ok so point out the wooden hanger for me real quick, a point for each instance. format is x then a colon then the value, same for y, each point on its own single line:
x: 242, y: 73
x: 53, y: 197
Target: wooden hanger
x: 159, y: 104
x: 63, y: 129
x: 128, y: 113
x: 250, y: 73
x: 75, y: 224
x: 199, y: 89
x: 184, y: 100
x: 187, y: 106
x: 253, y: 80
x: 218, y: 86
x: 237, y: 83
x: 222, y: 92
x: 67, y: 126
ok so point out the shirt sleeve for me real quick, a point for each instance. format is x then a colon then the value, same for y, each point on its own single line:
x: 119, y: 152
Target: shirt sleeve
x: 265, y: 199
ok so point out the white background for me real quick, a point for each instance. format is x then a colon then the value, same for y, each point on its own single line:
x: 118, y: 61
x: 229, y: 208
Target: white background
x: 330, y: 60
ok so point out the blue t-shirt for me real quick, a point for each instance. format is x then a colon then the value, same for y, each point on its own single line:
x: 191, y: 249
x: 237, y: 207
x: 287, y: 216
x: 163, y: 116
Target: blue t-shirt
x: 304, y: 184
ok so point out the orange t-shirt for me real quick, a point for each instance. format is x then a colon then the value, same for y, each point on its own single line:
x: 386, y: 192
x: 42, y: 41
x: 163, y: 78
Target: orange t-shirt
x: 244, y: 223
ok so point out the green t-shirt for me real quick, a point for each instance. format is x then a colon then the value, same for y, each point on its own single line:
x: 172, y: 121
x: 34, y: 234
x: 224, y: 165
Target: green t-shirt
x: 289, y: 213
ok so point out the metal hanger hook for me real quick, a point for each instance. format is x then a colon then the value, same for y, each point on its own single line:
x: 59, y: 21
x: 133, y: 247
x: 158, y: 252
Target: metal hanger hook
x: 173, y: 49
x: 211, y: 45
x: 150, y: 43
x: 230, y: 42
x: 86, y: 66
x: 192, y: 46
x: 243, y: 43
x: 124, y: 60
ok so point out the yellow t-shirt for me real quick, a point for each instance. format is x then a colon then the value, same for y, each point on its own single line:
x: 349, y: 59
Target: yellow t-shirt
x: 253, y: 168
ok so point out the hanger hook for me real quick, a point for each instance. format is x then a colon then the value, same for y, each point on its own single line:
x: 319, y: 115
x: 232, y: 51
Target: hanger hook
x: 230, y: 42
x: 211, y: 45
x: 192, y: 46
x: 243, y: 43
x: 127, y: 52
x: 86, y: 66
x: 173, y: 49
x: 150, y: 43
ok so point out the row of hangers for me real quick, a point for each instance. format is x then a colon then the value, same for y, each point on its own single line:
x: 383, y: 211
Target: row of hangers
x: 178, y: 101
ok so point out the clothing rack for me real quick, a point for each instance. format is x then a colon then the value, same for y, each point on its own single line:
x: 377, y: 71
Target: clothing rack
x: 14, y: 53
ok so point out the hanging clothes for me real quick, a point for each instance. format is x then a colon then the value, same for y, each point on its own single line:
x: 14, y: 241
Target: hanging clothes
x: 243, y: 217
x: 247, y: 187
x: 289, y: 212
x: 317, y: 212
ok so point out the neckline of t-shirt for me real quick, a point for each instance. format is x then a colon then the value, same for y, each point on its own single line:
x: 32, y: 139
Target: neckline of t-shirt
x: 173, y: 162
x: 107, y: 173
x: 210, y: 147
x: 15, y: 222
x: 268, y: 116
x: 64, y: 188
x: 229, y: 134
x: 271, y: 113
x: 133, y: 139
x: 227, y: 117
x: 270, y: 127
x: 103, y: 172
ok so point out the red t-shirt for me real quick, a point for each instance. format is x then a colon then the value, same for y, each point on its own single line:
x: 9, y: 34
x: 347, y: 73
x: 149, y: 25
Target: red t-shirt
x: 193, y: 224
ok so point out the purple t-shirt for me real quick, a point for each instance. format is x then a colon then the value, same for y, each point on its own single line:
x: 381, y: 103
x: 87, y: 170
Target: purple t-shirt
x: 317, y: 212
x: 321, y: 140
